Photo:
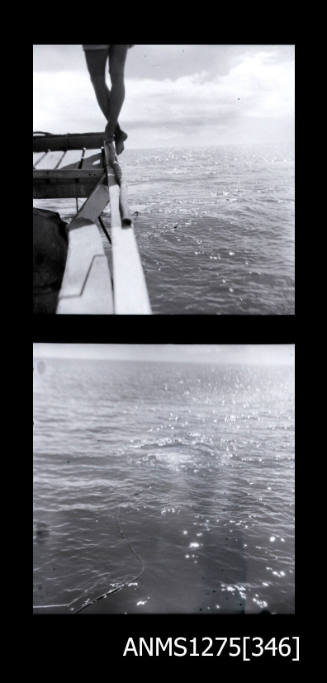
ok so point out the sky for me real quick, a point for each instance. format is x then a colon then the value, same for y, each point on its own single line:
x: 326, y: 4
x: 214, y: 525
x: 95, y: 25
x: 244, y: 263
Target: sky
x: 257, y: 354
x: 176, y: 95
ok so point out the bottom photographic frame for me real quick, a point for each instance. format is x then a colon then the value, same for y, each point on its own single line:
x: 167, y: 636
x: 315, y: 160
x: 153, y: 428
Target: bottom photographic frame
x: 164, y: 480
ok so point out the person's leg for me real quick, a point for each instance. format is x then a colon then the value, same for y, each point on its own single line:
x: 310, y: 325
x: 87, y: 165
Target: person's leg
x: 117, y: 59
x: 96, y: 64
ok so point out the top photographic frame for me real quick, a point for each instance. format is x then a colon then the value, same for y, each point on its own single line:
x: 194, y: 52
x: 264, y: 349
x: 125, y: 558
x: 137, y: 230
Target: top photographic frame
x: 206, y: 226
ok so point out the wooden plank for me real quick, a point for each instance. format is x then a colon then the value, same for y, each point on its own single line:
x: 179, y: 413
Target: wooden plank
x: 50, y: 161
x: 93, y: 160
x: 62, y: 190
x: 68, y: 141
x: 37, y: 156
x: 61, y: 160
x: 66, y: 179
x: 86, y: 290
x: 86, y: 286
x: 125, y: 215
x: 65, y: 182
x: 130, y: 289
x: 71, y: 160
x: 65, y: 174
x: 96, y: 202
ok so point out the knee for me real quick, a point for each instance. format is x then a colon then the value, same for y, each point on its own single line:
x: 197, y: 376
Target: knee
x: 116, y: 74
x: 99, y: 82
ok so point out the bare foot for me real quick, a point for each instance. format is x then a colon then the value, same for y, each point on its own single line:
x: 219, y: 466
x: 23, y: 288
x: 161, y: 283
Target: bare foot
x: 120, y: 137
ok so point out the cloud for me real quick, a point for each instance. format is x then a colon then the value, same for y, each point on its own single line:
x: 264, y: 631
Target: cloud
x: 256, y: 87
x: 161, y: 61
x: 259, y: 86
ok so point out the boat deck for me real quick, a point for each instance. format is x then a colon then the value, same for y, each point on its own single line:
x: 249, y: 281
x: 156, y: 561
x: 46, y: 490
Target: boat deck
x: 73, y: 166
x: 64, y: 167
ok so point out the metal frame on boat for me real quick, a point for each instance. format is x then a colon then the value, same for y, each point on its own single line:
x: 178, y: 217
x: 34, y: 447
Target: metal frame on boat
x: 77, y: 165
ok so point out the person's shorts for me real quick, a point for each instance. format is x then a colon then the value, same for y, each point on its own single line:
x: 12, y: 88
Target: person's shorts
x: 98, y: 47
x: 96, y: 59
x: 95, y: 47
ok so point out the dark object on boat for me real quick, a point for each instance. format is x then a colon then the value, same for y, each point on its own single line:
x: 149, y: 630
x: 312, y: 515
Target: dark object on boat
x: 50, y: 246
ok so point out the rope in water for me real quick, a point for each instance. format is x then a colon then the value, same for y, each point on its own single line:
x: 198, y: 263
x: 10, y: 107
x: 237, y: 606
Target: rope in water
x: 114, y: 589
x: 125, y: 583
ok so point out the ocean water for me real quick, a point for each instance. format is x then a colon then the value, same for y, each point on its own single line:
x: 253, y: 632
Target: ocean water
x: 163, y: 487
x: 215, y: 227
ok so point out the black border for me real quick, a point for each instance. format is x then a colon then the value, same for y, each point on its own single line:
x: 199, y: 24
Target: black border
x: 165, y: 329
